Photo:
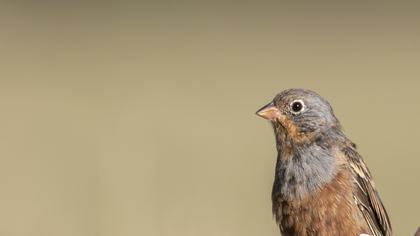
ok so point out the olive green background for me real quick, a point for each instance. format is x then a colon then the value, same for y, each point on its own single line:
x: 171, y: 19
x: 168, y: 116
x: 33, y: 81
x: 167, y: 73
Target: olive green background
x: 126, y: 118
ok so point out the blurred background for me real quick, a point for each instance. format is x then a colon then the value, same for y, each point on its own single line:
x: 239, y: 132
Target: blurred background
x: 122, y: 118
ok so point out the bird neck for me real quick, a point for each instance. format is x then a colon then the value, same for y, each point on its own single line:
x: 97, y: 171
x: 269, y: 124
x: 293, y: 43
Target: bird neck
x: 303, y: 169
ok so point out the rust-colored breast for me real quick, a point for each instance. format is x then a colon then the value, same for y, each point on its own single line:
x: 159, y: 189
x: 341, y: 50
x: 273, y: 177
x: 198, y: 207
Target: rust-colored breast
x: 330, y: 211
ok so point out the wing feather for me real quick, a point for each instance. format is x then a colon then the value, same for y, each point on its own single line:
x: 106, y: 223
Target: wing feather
x: 366, y: 195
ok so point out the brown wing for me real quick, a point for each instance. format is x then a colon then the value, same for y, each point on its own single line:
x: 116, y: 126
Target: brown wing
x: 366, y: 195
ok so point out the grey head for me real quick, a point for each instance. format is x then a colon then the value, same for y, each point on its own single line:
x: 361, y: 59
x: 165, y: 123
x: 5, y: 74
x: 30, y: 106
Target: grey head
x: 300, y: 115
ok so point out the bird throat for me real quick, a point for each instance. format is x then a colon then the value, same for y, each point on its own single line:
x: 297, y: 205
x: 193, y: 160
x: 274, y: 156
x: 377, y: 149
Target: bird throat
x: 302, y: 168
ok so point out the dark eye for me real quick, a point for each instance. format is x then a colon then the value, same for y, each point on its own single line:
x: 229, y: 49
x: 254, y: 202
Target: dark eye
x: 297, y: 106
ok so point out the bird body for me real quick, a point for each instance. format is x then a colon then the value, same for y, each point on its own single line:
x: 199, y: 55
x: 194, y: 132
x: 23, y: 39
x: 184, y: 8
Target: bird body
x: 321, y: 184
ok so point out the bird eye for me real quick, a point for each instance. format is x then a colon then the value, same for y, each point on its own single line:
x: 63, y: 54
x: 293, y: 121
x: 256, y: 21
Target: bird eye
x: 297, y: 106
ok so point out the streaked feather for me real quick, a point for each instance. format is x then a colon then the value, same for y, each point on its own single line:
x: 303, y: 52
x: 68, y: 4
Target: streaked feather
x: 366, y: 195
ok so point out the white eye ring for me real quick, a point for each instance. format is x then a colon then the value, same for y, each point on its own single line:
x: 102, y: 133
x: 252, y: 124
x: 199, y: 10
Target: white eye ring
x: 297, y: 106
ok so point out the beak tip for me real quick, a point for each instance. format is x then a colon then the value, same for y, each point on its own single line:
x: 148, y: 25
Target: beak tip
x: 258, y: 113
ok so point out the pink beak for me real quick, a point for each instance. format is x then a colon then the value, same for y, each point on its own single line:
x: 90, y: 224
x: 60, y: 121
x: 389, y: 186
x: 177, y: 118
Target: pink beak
x: 269, y: 112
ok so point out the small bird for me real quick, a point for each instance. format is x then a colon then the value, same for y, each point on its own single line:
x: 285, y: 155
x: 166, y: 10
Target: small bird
x: 322, y: 185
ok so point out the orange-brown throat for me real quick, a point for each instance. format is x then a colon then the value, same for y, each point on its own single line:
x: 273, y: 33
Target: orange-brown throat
x: 292, y: 131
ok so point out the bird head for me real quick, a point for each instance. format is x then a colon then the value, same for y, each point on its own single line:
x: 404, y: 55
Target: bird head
x: 299, y: 115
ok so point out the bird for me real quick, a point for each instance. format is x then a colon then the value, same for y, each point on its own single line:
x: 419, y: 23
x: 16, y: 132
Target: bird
x: 322, y: 185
